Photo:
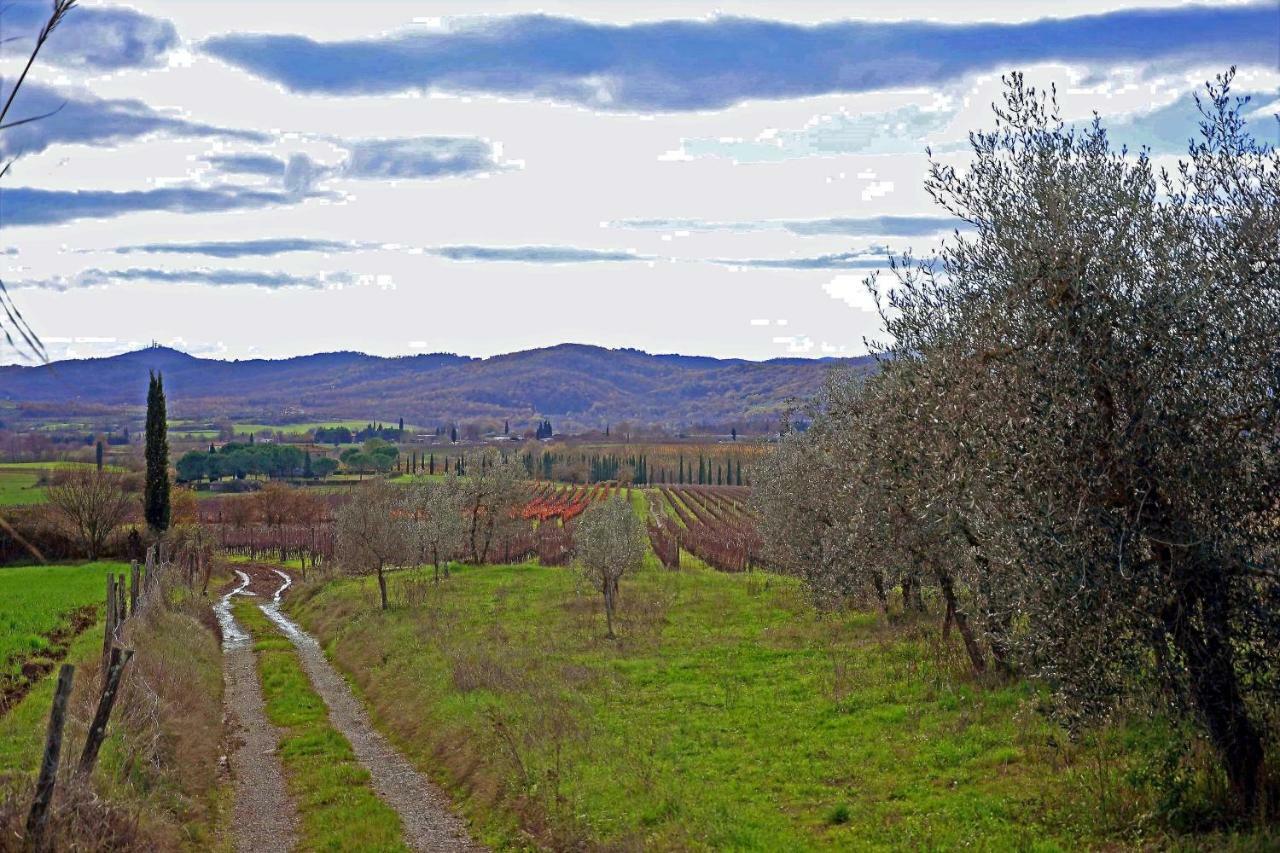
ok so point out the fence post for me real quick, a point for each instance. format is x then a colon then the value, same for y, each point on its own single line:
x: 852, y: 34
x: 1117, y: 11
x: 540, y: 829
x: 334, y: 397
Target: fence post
x: 133, y: 588
x: 98, y: 729
x: 38, y: 817
x: 110, y: 617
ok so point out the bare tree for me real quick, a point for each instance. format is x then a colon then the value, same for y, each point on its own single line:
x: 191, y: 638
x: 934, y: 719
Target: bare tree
x: 93, y: 503
x: 371, y: 532
x: 436, y: 515
x: 609, y: 542
x: 491, y: 492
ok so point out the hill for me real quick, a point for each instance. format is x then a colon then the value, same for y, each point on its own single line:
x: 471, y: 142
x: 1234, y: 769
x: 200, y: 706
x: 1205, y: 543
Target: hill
x: 575, y: 385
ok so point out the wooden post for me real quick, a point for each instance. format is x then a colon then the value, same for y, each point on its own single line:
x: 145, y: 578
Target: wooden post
x: 38, y: 817
x: 109, y: 617
x: 133, y: 588
x: 98, y: 729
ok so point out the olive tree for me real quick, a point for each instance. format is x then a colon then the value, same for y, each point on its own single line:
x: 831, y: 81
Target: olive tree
x: 371, y: 532
x: 1100, y: 349
x: 609, y: 542
x: 492, y: 490
x: 1074, y: 427
x: 436, y: 517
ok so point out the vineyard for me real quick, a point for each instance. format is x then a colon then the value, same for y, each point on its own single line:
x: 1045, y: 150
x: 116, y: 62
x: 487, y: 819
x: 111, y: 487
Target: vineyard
x: 714, y: 523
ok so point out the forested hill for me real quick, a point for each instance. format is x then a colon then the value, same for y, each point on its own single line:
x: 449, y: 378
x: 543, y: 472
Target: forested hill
x: 581, y: 386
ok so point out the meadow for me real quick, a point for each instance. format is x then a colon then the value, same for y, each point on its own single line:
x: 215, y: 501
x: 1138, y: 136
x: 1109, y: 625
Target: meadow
x: 22, y: 483
x: 729, y: 715
x: 35, y: 601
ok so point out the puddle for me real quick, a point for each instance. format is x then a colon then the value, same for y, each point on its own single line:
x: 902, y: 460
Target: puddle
x: 232, y: 636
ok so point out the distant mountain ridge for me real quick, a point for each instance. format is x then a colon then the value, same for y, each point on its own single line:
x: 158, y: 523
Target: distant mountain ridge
x: 575, y: 384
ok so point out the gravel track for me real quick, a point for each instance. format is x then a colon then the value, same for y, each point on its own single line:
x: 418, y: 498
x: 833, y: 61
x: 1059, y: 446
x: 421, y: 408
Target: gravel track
x: 429, y: 822
x: 263, y: 816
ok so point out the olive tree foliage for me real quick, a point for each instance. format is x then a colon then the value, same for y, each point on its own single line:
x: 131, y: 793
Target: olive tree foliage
x: 491, y: 492
x: 1074, y: 431
x: 372, y: 533
x: 93, y: 503
x: 437, y: 523
x: 609, y: 542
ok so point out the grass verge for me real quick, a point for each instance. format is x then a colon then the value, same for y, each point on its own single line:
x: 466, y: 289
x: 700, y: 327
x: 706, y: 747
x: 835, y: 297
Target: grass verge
x: 729, y: 715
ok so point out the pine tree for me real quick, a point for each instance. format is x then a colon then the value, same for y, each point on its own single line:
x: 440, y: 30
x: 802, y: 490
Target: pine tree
x: 156, y: 498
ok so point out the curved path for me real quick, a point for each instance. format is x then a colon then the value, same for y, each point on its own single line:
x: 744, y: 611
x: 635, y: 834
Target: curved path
x: 429, y: 823
x: 263, y: 816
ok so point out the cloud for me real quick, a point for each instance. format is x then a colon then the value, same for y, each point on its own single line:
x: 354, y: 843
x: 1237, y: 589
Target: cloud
x: 82, y: 118
x: 242, y: 248
x: 882, y: 226
x: 31, y: 206
x: 100, y: 38
x: 96, y: 277
x: 710, y: 64
x: 421, y: 157
x: 842, y: 261
x: 532, y: 254
x: 899, y: 131
x: 248, y: 164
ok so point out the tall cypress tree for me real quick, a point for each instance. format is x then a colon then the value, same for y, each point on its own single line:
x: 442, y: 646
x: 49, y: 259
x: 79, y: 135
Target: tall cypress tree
x: 156, y: 498
x: 98, y: 455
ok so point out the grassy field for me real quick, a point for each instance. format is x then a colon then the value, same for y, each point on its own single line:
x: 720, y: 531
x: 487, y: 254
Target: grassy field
x: 21, y: 482
x: 728, y: 716
x: 36, y: 600
x: 336, y: 802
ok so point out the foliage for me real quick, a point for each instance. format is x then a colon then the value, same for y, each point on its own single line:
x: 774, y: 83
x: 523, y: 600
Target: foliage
x: 156, y: 494
x: 609, y: 542
x: 371, y: 533
x: 1074, y: 429
x: 436, y: 518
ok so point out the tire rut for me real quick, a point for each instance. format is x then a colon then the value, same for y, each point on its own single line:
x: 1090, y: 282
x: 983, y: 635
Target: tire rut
x: 264, y: 817
x: 429, y: 823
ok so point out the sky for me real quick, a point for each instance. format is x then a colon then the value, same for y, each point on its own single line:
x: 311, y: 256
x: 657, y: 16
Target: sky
x: 257, y: 179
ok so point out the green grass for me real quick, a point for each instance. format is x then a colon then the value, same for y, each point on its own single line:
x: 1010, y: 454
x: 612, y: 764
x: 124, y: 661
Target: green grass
x: 22, y: 729
x: 728, y: 716
x: 34, y: 600
x: 20, y: 482
x: 336, y: 802
x: 20, y: 487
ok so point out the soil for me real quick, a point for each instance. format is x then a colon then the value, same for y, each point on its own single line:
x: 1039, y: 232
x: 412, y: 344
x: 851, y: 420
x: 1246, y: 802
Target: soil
x: 37, y: 665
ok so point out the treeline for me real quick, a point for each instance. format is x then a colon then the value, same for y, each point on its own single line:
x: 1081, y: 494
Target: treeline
x: 571, y: 467
x: 1073, y: 438
x: 336, y: 435
x: 240, y: 460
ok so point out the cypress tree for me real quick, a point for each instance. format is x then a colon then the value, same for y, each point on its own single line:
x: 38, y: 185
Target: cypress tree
x: 431, y: 464
x: 98, y: 455
x: 306, y: 465
x: 156, y: 498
